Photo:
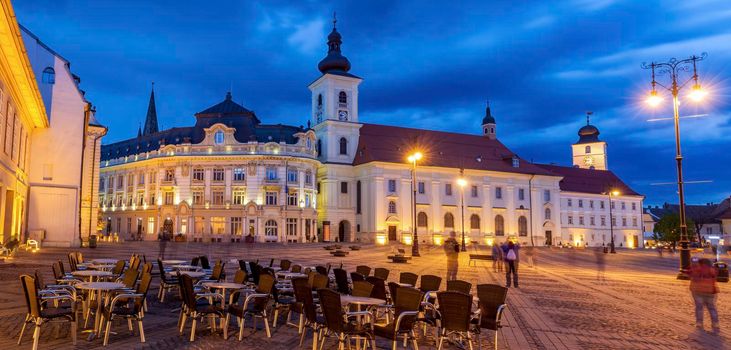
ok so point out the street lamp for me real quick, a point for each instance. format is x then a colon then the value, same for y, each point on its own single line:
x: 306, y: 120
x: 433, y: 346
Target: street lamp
x: 611, y: 220
x: 413, y: 158
x: 673, y: 68
x: 462, y: 183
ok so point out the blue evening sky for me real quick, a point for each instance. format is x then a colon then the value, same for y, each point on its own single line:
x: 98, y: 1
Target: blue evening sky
x: 542, y: 65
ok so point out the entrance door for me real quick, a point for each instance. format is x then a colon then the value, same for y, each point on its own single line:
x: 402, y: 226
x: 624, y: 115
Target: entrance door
x: 634, y: 241
x: 392, y: 233
x: 549, y: 238
x: 167, y: 228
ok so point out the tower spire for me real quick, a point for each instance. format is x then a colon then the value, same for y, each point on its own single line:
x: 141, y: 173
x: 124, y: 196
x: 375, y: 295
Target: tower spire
x: 335, y: 19
x: 588, y: 115
x: 334, y: 61
x: 151, y: 119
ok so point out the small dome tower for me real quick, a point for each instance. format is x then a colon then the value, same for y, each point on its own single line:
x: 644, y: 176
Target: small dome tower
x: 489, y: 129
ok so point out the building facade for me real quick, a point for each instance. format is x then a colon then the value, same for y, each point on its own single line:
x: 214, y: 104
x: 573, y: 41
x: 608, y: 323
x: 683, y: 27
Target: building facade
x: 711, y: 221
x: 226, y: 178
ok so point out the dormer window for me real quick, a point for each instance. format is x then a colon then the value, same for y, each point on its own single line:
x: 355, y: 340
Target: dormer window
x: 516, y: 162
x: 218, y: 137
x: 49, y: 76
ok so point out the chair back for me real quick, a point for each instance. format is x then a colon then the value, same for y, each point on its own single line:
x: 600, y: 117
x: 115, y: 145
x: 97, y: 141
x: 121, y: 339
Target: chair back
x: 187, y: 292
x: 354, y: 276
x: 332, y: 310
x: 456, y: 310
x: 362, y: 289
x: 491, y: 297
x: 407, y: 299
x: 393, y: 289
x: 129, y: 278
x: 195, y: 261
x: 242, y: 264
x: 311, y: 278
x: 60, y: 266
x: 161, y: 268
x: 381, y: 273
x: 303, y: 294
x: 205, y: 264
x: 240, y: 276
x: 266, y: 284
x: 296, y: 268
x: 271, y: 262
x: 217, y: 273
x: 57, y: 271
x: 31, y: 295
x: 379, y: 287
x: 459, y: 286
x: 285, y: 265
x: 72, y: 262
x: 321, y: 270
x: 320, y: 281
x: 79, y: 258
x: 134, y: 263
x: 118, y: 267
x: 363, y: 270
x: 255, y: 270
x: 142, y: 288
x: 147, y: 267
x: 408, y: 278
x: 430, y: 283
x: 38, y: 279
x: 341, y: 279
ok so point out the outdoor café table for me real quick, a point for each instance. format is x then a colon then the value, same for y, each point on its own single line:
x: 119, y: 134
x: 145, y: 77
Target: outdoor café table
x: 223, y: 286
x: 104, y: 261
x: 192, y: 274
x: 174, y: 262
x: 99, y: 287
x: 186, y: 267
x: 101, y: 267
x: 290, y: 275
x: 91, y: 274
x: 405, y: 284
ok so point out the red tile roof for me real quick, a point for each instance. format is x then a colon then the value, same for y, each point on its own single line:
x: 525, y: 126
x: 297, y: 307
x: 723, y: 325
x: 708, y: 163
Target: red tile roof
x: 588, y: 180
x: 383, y: 143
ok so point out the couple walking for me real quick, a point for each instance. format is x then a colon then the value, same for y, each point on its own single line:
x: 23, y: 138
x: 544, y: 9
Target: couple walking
x: 507, y: 253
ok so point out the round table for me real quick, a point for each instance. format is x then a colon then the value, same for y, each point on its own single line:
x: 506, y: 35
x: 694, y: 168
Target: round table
x: 174, y: 262
x: 186, y: 267
x: 223, y: 286
x: 349, y: 299
x: 99, y: 287
x: 290, y: 275
x: 102, y: 267
x: 91, y: 274
x: 192, y: 274
x: 405, y: 284
x: 105, y: 261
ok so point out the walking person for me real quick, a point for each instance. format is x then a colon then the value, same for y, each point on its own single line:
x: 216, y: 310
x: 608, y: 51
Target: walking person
x: 496, y: 257
x: 451, y: 250
x: 703, y: 288
x: 529, y: 253
x: 600, y: 264
x: 164, y: 238
x: 510, y: 252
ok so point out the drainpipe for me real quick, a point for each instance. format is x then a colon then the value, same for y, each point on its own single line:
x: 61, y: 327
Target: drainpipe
x: 91, y: 207
x: 85, y: 127
x: 530, y: 215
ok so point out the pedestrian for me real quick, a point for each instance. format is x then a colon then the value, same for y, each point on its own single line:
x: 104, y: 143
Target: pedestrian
x: 510, y: 252
x: 164, y: 238
x: 451, y: 250
x: 600, y: 264
x: 529, y: 254
x: 496, y: 258
x: 703, y: 288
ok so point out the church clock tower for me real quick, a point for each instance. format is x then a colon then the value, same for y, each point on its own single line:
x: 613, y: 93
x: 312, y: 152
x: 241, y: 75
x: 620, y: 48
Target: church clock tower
x: 589, y: 152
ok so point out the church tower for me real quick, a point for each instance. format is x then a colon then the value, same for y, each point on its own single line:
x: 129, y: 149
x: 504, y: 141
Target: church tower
x: 589, y: 152
x: 489, y: 129
x: 151, y: 119
x: 335, y: 104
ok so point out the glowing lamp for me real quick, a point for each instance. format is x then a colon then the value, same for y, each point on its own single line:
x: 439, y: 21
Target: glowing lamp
x: 380, y: 239
x: 654, y: 99
x: 408, y: 239
x: 461, y: 182
x: 697, y: 94
x: 615, y: 193
x: 414, y: 157
x: 438, y: 240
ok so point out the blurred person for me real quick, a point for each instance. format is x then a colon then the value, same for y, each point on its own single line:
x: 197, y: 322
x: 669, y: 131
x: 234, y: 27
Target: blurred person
x: 530, y: 253
x: 451, y: 250
x: 600, y: 264
x: 703, y: 288
x: 510, y: 253
x: 497, y: 258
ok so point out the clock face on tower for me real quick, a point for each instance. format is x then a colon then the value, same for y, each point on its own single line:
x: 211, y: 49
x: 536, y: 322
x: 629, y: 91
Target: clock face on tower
x: 588, y: 161
x: 343, y: 115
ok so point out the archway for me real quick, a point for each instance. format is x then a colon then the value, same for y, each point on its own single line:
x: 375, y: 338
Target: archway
x: 344, y: 231
x: 167, y: 228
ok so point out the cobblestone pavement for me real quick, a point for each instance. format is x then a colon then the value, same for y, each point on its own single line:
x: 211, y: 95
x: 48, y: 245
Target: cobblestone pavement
x: 560, y: 303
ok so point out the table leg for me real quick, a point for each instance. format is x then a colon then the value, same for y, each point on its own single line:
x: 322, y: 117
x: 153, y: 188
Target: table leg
x: 96, y: 315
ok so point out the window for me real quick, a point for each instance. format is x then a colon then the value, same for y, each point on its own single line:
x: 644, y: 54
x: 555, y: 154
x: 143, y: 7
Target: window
x: 474, y: 191
x: 141, y: 179
x: 218, y: 175
x: 581, y: 203
x: 198, y: 174
x: 291, y: 226
x: 592, y: 222
x: 392, y: 207
x: 101, y: 184
x: 49, y: 76
x: 343, y: 146
x: 422, y: 188
x: 624, y: 222
x: 634, y: 206
x: 218, y: 225
x: 342, y: 97
x: 118, y: 200
x: 239, y: 197
x: 239, y: 174
x: 150, y: 225
x: 521, y: 194
x: 448, y: 189
x: 603, y: 221
x: 358, y: 197
x: 601, y: 204
x: 292, y: 199
x: 292, y: 175
x: 130, y: 199
x: 547, y: 214
x: 308, y: 202
x: 319, y: 100
x: 199, y: 224
x: 448, y: 221
x: 612, y: 204
x: 308, y: 177
x: 270, y: 228
x: 634, y: 222
x: 569, y: 202
x: 391, y: 186
x: 217, y: 197
x: 623, y: 206
x: 319, y: 147
x: 475, y: 222
x: 591, y: 204
x: 120, y: 182
x: 344, y: 187
x: 614, y: 221
x: 587, y: 150
x: 581, y: 220
x: 271, y: 198
x: 546, y: 195
x: 499, y: 225
x: 522, y: 226
x: 271, y: 173
x: 153, y: 177
x: 237, y: 226
x: 498, y: 193
x: 516, y: 162
x: 8, y: 128
x: 152, y: 198
x: 218, y: 137
x: 169, y: 174
x: 421, y: 219
x: 198, y: 197
x: 571, y: 220
x: 169, y: 197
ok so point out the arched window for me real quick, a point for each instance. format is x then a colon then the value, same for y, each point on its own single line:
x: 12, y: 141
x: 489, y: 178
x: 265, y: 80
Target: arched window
x: 475, y: 222
x: 421, y: 219
x: 343, y: 146
x: 218, y: 137
x: 547, y: 214
x: 319, y: 147
x: 448, y: 220
x: 49, y: 76
x: 499, y: 225
x: 392, y: 207
x: 522, y: 226
x: 319, y: 100
x: 270, y: 228
x: 343, y: 97
x: 587, y: 149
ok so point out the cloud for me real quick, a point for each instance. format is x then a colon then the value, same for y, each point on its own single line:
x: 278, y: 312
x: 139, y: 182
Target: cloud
x: 540, y: 22
x: 307, y: 38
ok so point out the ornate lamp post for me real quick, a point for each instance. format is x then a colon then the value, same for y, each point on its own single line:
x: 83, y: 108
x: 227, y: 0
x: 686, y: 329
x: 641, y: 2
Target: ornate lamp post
x: 413, y: 158
x: 462, y: 183
x: 673, y: 68
x: 611, y: 193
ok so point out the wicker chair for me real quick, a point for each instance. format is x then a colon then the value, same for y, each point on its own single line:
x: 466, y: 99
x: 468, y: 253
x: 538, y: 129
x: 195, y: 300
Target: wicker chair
x: 128, y: 278
x: 430, y: 283
x: 341, y: 280
x: 193, y: 310
x: 320, y: 281
x: 118, y: 268
x: 205, y: 264
x: 285, y: 264
x: 363, y: 270
x: 240, y: 276
x: 354, y: 276
x: 406, y: 310
x: 336, y: 323
x: 296, y: 268
x: 38, y: 315
x: 362, y: 289
x: 455, y: 309
x: 166, y: 283
x: 459, y: 286
x: 408, y: 278
x: 255, y: 305
x: 195, y: 261
x: 255, y: 270
x: 492, y: 306
x: 381, y: 273
x: 379, y: 287
x: 128, y: 305
x: 242, y: 264
x: 73, y: 263
x: 316, y: 323
x: 321, y: 270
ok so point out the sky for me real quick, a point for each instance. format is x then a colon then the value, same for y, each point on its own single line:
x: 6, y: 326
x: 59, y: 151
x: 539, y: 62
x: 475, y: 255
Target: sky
x: 541, y: 65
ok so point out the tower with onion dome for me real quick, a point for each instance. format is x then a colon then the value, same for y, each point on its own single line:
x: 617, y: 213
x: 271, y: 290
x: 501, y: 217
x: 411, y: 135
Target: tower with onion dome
x: 589, y: 152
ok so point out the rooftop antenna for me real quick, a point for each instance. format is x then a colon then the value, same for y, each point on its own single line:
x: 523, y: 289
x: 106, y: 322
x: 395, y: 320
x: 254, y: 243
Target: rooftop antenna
x: 588, y: 115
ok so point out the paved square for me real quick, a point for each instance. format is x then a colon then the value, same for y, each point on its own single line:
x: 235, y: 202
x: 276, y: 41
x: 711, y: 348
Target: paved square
x: 560, y: 303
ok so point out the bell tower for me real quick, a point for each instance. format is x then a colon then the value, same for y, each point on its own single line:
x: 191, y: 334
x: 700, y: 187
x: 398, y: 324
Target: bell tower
x: 489, y: 129
x: 589, y: 152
